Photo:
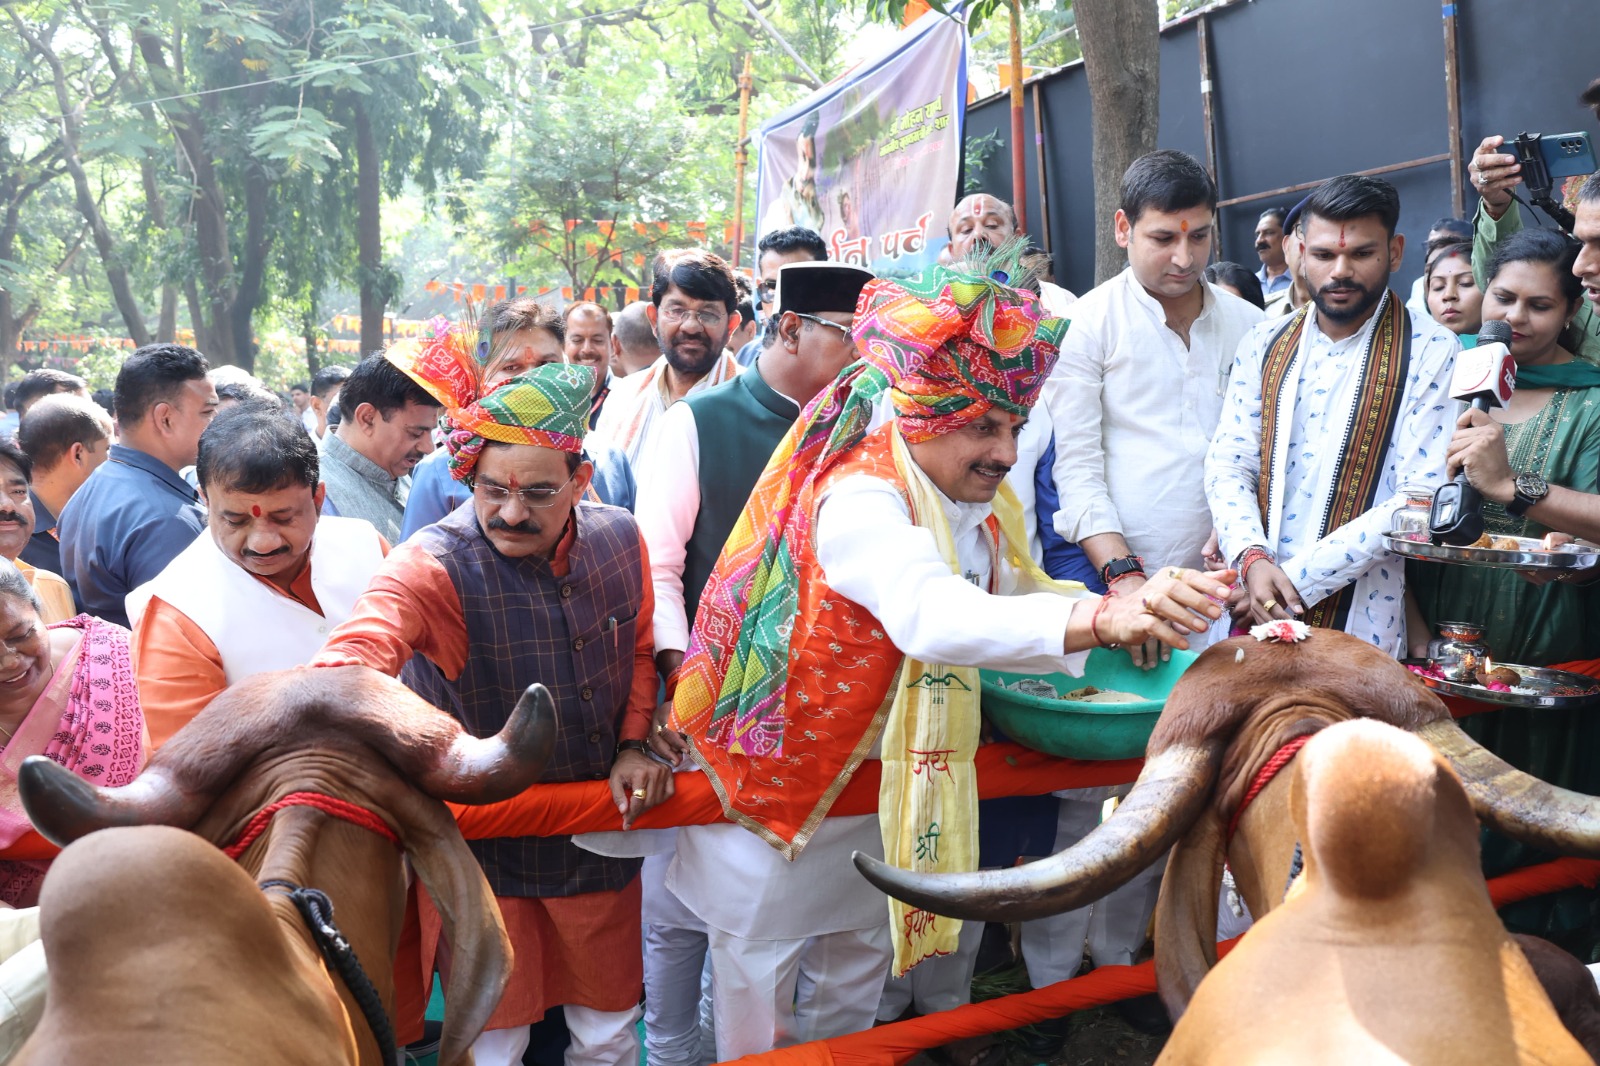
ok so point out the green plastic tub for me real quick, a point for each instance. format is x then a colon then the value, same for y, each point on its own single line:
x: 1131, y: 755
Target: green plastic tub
x: 1076, y: 730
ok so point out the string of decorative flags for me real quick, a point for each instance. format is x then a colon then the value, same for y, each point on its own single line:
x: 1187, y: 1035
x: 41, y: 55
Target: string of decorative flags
x: 460, y: 290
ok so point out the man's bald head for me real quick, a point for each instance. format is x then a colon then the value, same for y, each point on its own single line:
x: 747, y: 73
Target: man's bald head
x: 980, y: 216
x: 634, y: 345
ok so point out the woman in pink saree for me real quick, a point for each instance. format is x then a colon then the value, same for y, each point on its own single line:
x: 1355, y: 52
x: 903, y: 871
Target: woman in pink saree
x: 66, y: 692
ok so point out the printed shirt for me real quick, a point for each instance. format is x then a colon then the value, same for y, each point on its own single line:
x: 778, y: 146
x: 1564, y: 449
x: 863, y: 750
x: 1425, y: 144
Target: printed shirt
x: 1329, y: 373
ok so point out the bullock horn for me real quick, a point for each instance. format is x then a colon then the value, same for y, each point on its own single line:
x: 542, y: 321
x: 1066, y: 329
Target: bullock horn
x: 1171, y: 792
x: 1516, y: 803
x: 63, y: 806
x: 491, y: 769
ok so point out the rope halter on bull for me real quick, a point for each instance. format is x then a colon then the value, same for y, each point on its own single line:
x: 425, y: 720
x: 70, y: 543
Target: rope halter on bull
x: 316, y: 909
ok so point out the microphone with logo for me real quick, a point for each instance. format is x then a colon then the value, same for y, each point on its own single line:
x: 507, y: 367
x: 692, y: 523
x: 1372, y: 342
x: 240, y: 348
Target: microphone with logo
x: 1485, y: 377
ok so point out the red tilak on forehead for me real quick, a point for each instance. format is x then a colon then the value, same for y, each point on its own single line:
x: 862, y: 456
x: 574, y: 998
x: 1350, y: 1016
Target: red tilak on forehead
x: 1341, y: 236
x: 255, y: 509
x: 1183, y: 226
x: 513, y: 486
x: 977, y: 207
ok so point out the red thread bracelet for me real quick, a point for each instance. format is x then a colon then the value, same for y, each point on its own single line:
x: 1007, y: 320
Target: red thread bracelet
x: 1094, y: 624
x: 1120, y: 577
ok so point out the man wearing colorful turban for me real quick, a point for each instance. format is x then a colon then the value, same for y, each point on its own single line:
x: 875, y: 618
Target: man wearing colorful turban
x: 514, y: 337
x: 873, y: 573
x: 527, y: 582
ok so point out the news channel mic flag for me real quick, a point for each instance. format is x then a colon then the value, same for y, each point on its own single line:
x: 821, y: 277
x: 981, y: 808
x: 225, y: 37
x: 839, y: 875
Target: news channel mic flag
x: 872, y: 162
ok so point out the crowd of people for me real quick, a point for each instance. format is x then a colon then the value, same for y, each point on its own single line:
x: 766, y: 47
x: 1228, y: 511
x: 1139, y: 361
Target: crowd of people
x: 767, y: 529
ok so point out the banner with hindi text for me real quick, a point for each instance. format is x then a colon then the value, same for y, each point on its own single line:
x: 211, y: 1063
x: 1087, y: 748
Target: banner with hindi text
x: 872, y: 161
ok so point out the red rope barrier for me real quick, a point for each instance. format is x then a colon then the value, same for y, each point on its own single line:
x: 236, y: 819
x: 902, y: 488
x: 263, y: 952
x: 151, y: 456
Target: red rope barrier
x: 586, y: 806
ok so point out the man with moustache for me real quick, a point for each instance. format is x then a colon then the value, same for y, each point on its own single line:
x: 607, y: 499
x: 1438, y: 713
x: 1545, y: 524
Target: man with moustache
x: 1274, y: 272
x: 708, y: 455
x: 135, y: 513
x: 16, y: 526
x: 1327, y: 416
x: 259, y: 590
x: 775, y: 251
x: 692, y: 309
x: 528, y: 583
x: 873, y: 570
x: 387, y: 429
x: 588, y: 343
x: 515, y: 336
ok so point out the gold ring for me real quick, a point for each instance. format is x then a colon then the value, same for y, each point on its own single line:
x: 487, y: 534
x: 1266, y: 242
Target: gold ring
x: 661, y: 729
x: 638, y: 793
x: 1269, y: 605
x: 1174, y: 573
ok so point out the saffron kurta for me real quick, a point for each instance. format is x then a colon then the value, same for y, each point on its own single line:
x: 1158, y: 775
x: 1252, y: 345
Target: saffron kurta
x: 205, y: 622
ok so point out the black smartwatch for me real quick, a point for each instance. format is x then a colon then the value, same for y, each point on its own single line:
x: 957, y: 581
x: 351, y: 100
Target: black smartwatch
x: 1529, y: 489
x: 1128, y: 564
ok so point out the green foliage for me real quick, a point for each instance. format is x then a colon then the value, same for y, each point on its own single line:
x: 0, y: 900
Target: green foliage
x: 486, y: 115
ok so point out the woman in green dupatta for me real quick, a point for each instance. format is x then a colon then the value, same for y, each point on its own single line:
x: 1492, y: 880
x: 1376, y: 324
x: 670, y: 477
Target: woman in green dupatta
x: 1552, y: 428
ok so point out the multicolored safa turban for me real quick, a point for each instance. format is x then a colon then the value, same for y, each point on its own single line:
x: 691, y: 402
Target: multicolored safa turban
x: 948, y: 346
x: 547, y: 406
x: 954, y: 343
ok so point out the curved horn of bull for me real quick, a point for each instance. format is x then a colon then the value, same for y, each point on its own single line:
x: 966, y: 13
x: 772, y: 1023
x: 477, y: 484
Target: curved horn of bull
x: 1518, y: 804
x: 490, y: 769
x: 1171, y: 792
x: 64, y: 807
x: 274, y: 711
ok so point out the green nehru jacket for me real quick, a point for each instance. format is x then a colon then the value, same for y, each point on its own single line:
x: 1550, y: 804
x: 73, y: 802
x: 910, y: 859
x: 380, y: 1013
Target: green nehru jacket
x: 739, y: 423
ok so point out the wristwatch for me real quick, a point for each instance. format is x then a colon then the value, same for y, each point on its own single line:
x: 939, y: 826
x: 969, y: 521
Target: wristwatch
x: 1128, y: 564
x: 1529, y: 489
x: 632, y: 745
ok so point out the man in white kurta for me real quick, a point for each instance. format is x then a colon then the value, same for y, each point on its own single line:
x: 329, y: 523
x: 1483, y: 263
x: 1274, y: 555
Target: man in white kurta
x: 262, y: 587
x: 1298, y: 554
x: 1134, y: 401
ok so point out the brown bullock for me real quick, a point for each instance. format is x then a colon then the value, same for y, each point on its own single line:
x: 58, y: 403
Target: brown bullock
x: 163, y: 950
x: 1239, y: 703
x: 1387, y: 948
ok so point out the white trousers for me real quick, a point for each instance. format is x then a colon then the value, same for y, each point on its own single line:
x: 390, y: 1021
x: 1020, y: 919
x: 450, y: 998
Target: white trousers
x: 776, y: 993
x: 1114, y: 927
x: 677, y: 1007
x: 22, y: 978
x: 599, y: 1038
x: 943, y: 983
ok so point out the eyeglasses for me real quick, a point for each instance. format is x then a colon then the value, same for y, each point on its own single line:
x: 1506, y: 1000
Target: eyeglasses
x: 537, y: 499
x: 708, y: 319
x: 769, y: 286
x: 824, y: 322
